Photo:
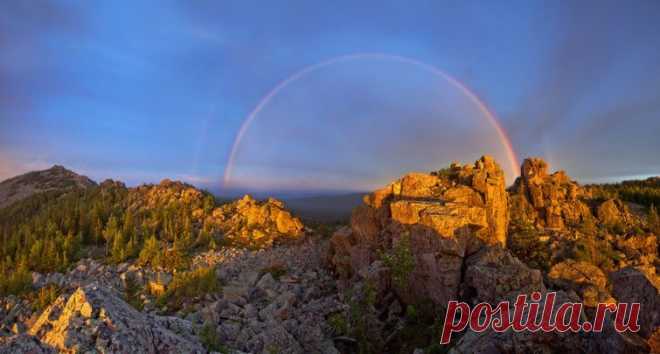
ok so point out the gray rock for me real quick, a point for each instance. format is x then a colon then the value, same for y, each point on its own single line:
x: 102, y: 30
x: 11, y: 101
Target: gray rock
x: 266, y: 282
x: 119, y: 327
x: 235, y: 293
x: 23, y: 344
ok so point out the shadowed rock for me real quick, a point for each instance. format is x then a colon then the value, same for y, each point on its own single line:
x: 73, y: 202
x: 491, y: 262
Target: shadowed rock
x: 641, y: 285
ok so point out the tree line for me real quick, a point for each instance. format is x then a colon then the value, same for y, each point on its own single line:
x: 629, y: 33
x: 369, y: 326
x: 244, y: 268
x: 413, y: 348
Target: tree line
x: 50, y: 231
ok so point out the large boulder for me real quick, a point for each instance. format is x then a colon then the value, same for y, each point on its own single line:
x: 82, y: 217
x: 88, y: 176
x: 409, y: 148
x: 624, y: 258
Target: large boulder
x: 546, y: 200
x: 95, y: 318
x: 584, y: 278
x: 439, y: 218
x: 641, y: 285
x: 493, y: 274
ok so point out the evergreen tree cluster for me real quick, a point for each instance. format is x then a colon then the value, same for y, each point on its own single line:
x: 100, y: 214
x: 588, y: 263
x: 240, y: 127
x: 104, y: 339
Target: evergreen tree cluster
x: 645, y: 192
x: 159, y: 224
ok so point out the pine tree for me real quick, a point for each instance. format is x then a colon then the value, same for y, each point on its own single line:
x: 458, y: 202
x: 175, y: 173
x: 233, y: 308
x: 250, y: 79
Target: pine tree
x: 653, y: 220
x: 150, y: 252
x: 129, y: 224
x: 118, y: 251
x: 110, y: 232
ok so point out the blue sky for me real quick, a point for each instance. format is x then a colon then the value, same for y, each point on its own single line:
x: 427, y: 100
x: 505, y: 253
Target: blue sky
x: 143, y: 90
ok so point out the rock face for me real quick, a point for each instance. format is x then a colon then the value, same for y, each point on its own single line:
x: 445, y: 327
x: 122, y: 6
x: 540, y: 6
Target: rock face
x: 95, y: 318
x: 546, y: 200
x: 247, y: 222
x: 641, y: 285
x: 444, y: 217
x: 585, y: 278
x: 493, y: 275
x: 510, y: 341
x: 54, y: 178
x: 23, y: 343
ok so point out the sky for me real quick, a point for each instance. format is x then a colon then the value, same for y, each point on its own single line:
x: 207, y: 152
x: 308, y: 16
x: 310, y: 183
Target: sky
x: 145, y: 90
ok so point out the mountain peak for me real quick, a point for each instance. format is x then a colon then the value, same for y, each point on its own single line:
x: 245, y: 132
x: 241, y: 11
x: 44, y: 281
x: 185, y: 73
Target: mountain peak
x: 53, y: 179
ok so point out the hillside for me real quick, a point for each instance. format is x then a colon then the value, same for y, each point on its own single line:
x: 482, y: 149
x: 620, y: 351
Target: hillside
x: 645, y: 192
x: 161, y: 267
x: 56, y: 178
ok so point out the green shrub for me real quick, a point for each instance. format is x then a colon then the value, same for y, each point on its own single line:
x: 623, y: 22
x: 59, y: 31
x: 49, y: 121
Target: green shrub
x: 525, y: 243
x: 338, y: 323
x: 209, y: 338
x: 411, y: 312
x: 653, y: 220
x: 189, y: 284
x: 15, y: 283
x: 44, y: 297
x: 275, y: 270
x: 400, y: 260
x: 132, y: 293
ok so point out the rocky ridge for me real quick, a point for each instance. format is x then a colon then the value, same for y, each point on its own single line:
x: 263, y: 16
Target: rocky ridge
x: 439, y: 236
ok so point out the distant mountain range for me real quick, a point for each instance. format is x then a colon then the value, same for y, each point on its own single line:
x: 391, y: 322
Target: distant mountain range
x: 326, y: 208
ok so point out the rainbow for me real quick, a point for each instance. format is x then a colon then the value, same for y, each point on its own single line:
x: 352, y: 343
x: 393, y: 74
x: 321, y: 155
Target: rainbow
x: 490, y: 116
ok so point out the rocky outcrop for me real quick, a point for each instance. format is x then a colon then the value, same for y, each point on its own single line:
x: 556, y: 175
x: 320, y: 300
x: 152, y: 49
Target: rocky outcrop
x: 247, y: 222
x: 167, y: 192
x: 641, y: 285
x: 546, y: 200
x: 584, y: 278
x: 638, y: 249
x: 95, y: 318
x: 613, y: 212
x: 442, y: 217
